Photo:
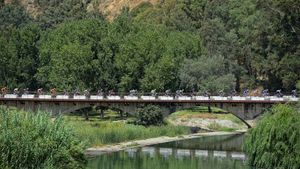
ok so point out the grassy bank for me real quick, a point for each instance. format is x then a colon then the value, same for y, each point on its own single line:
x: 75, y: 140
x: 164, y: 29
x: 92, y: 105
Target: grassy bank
x: 112, y: 129
x: 217, y: 120
x: 98, y: 132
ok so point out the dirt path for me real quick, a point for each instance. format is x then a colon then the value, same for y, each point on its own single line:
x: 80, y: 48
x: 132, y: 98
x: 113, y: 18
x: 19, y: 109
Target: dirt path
x: 140, y: 143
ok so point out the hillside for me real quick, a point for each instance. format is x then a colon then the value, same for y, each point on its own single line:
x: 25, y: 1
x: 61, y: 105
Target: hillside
x: 109, y: 8
x: 196, y: 45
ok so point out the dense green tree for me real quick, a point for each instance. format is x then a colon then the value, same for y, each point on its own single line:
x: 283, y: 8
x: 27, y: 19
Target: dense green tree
x: 75, y: 55
x: 19, y: 57
x: 12, y: 16
x: 7, y: 62
x: 149, y: 115
x: 144, y: 48
x: 168, y: 12
x: 275, y: 141
x: 55, y: 12
x: 206, y: 74
x: 26, y: 59
x: 151, y: 55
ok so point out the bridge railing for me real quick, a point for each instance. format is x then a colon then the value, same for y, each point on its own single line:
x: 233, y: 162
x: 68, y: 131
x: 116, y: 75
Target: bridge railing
x: 32, y: 95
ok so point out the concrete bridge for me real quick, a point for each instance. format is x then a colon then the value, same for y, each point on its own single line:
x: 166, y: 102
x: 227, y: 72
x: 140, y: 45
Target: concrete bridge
x: 245, y: 108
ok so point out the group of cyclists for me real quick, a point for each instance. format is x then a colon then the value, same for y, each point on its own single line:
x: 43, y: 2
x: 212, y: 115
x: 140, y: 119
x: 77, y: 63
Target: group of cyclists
x: 153, y: 92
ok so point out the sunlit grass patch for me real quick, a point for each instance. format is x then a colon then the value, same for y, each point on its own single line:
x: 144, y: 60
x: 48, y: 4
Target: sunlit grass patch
x: 102, y: 132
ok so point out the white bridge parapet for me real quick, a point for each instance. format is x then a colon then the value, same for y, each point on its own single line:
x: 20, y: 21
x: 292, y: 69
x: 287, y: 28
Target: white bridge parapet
x: 147, y: 97
x: 45, y: 96
x: 28, y: 96
x: 131, y: 98
x: 184, y: 98
x: 257, y: 98
x: 238, y: 98
x: 10, y: 96
x: 62, y: 97
x: 80, y: 97
x: 201, y: 98
x: 218, y: 98
x: 95, y: 97
x: 113, y: 97
x: 165, y: 98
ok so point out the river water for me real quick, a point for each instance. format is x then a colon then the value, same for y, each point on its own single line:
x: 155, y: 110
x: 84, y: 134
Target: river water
x: 213, y: 152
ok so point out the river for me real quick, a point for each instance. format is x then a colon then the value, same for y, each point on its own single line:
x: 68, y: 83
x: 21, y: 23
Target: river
x: 212, y: 152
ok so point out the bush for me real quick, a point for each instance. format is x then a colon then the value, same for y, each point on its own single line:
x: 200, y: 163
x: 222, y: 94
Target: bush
x: 275, y: 142
x: 30, y: 140
x: 150, y: 115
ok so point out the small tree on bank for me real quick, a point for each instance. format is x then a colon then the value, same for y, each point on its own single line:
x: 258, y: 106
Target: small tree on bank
x: 275, y: 142
x: 150, y: 115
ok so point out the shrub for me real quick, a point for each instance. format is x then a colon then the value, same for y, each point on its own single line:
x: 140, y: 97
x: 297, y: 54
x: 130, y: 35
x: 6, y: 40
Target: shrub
x: 149, y: 115
x: 275, y: 142
x: 29, y: 140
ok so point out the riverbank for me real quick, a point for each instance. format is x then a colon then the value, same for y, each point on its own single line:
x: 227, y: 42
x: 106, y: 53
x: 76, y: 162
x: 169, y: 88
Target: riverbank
x: 98, y: 132
x: 147, y: 142
x: 112, y: 129
x: 199, y: 116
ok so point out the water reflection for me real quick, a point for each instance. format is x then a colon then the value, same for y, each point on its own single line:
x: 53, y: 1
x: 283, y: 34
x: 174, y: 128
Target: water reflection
x: 223, y: 153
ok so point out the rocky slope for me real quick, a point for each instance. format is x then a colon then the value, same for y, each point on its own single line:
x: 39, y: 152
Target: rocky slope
x: 109, y: 8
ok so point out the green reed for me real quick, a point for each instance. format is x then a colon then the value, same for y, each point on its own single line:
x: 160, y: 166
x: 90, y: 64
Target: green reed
x: 109, y: 132
x: 34, y: 140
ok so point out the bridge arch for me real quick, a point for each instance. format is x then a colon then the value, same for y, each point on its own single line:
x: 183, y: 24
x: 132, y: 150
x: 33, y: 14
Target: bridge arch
x: 243, y: 108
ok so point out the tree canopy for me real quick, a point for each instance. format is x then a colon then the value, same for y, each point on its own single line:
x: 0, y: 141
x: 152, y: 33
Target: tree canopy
x: 188, y: 44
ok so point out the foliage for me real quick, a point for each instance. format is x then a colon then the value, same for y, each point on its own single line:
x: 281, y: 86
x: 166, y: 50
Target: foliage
x: 275, y: 142
x: 65, y: 43
x: 79, y: 54
x: 20, y: 57
x: 206, y: 74
x: 13, y: 16
x: 30, y: 140
x: 109, y: 132
x: 150, y: 115
x: 56, y: 12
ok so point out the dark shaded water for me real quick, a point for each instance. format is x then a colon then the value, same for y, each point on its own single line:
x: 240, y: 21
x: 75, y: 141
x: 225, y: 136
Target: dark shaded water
x: 214, y: 152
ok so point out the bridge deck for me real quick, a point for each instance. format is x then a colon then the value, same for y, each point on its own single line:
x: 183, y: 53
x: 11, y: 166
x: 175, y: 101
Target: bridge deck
x: 149, y: 99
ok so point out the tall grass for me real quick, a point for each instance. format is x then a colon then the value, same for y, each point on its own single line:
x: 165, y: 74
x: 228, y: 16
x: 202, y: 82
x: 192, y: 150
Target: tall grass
x: 275, y: 142
x: 109, y: 132
x: 29, y: 140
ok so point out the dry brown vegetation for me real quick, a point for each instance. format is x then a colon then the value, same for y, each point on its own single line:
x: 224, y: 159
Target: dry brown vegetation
x: 109, y: 8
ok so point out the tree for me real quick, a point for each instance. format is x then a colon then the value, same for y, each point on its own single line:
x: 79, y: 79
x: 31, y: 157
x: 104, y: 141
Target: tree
x: 12, y: 16
x: 19, y: 57
x: 56, y: 12
x: 149, y: 115
x: 275, y: 141
x: 151, y: 55
x: 7, y: 62
x: 75, y: 55
x: 206, y: 74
